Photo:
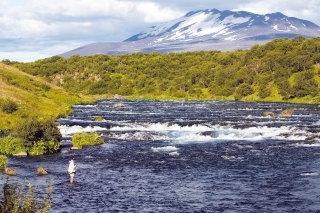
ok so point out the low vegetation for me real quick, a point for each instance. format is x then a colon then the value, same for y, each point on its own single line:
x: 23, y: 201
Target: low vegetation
x: 16, y: 199
x: 86, y: 139
x: 3, y: 161
x: 32, y: 137
x: 11, y: 145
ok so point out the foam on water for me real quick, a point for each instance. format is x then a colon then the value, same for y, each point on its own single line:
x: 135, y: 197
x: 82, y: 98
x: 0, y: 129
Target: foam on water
x: 161, y: 127
x: 70, y: 130
x: 309, y: 174
x: 232, y: 158
x: 225, y: 132
x: 192, y: 133
x: 165, y: 149
x: 314, y: 144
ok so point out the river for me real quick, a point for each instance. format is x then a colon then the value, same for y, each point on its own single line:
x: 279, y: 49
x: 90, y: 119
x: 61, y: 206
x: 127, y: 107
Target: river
x: 184, y: 156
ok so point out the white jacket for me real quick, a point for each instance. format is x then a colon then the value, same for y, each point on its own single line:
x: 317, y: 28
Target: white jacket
x: 72, y: 167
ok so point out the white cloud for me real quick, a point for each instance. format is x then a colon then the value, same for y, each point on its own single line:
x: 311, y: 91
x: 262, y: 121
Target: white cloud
x: 307, y: 10
x: 47, y: 26
x: 155, y: 13
x: 79, y: 17
x: 22, y: 56
x: 80, y: 8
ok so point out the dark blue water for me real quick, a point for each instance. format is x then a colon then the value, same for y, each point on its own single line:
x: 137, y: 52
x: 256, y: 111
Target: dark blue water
x: 172, y: 156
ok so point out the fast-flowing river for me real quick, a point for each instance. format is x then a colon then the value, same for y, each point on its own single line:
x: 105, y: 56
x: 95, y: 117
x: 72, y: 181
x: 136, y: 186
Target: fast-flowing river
x: 185, y: 156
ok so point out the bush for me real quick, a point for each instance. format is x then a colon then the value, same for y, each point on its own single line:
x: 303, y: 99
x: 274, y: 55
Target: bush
x: 14, y: 200
x: 34, y: 130
x: 264, y: 91
x: 243, y: 90
x: 10, y: 145
x: 8, y: 106
x: 43, y: 147
x: 39, y: 137
x: 3, y: 161
x: 86, y: 139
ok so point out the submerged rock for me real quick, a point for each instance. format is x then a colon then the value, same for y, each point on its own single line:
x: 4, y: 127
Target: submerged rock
x: 267, y: 113
x: 310, y: 140
x: 119, y: 105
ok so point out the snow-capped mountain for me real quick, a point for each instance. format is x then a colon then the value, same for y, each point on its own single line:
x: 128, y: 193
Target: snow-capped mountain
x: 208, y: 30
x: 228, y: 25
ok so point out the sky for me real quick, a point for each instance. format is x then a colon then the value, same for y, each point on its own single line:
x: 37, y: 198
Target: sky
x: 36, y: 29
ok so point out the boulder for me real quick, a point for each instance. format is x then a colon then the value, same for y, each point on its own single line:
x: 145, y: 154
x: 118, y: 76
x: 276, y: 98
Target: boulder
x: 10, y: 171
x: 287, y: 113
x: 41, y: 171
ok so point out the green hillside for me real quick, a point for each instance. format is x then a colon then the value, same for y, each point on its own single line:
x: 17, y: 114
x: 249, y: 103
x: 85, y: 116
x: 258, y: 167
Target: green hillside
x: 284, y: 70
x: 23, y: 96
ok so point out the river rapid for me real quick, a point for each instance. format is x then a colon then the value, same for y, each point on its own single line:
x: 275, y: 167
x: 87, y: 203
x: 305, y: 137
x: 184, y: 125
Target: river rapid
x: 184, y: 156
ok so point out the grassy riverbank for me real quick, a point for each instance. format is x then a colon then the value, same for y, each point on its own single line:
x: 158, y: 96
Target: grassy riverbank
x: 24, y: 96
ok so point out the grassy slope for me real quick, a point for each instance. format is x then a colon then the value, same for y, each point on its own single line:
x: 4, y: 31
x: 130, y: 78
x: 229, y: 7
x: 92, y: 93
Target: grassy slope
x: 34, y: 97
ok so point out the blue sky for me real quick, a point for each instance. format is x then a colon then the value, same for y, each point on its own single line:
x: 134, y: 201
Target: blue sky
x: 35, y: 29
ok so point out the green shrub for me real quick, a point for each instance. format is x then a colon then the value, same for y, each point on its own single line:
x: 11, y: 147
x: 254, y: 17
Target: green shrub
x: 33, y: 130
x: 243, y: 90
x: 43, y: 147
x: 8, y: 106
x: 3, y: 161
x: 39, y: 137
x: 264, y: 91
x: 15, y: 200
x: 10, y: 145
x: 86, y: 139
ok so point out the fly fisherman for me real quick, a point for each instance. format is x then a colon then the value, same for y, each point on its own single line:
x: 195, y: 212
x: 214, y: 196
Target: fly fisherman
x: 72, y: 169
